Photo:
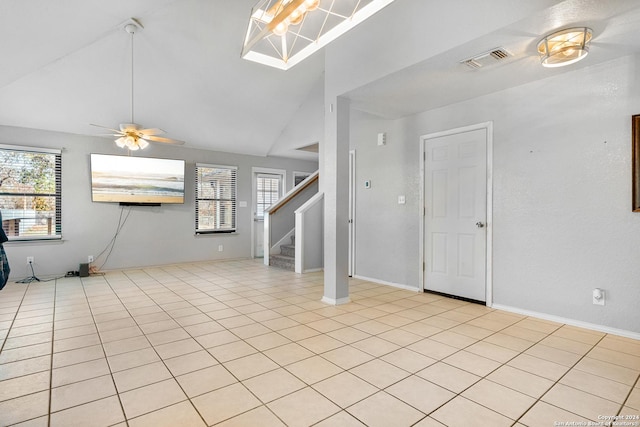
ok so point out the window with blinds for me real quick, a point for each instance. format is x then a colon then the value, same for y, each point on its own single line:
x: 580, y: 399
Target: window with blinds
x: 216, y: 191
x: 31, y: 192
x: 268, y: 192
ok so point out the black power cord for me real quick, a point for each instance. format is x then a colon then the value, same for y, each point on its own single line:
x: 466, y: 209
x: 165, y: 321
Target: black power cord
x: 122, y: 220
x: 33, y: 277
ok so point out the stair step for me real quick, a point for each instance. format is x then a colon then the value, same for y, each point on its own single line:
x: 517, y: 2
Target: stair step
x: 283, y: 261
x: 288, y: 250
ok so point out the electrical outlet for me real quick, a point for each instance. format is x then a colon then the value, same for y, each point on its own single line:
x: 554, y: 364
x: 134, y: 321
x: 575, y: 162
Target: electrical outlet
x: 90, y: 259
x: 30, y: 260
x: 220, y: 248
x: 598, y: 296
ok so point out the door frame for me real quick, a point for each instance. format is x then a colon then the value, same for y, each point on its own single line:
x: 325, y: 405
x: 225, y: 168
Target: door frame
x: 488, y: 126
x: 255, y: 171
x: 352, y: 213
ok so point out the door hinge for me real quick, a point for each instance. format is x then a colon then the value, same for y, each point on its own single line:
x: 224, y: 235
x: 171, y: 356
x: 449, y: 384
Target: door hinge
x: 423, y: 266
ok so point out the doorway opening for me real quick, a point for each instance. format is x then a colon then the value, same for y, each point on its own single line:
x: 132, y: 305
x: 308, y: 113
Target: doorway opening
x: 268, y: 187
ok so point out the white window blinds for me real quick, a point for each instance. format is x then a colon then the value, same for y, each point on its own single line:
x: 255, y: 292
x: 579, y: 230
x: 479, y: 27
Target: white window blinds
x: 31, y: 192
x: 216, y: 191
x: 268, y: 192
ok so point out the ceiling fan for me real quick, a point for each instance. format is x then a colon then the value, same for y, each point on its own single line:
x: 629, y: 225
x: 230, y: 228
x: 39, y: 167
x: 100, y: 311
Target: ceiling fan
x: 131, y: 135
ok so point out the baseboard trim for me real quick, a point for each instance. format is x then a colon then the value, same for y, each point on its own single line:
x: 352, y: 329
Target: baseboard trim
x: 312, y: 270
x: 338, y: 301
x: 383, y: 282
x: 571, y: 322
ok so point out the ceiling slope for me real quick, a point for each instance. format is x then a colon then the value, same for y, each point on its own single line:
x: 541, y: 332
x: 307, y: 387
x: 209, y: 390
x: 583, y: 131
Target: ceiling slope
x: 66, y: 73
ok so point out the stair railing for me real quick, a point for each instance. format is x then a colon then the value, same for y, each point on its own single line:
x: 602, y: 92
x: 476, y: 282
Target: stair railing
x: 279, y: 218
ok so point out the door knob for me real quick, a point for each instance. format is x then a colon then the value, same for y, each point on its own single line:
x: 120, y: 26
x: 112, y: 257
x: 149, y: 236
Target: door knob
x: 479, y: 224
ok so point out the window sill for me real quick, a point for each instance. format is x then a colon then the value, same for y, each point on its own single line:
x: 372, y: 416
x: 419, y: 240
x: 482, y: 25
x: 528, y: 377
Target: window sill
x: 216, y: 234
x: 26, y: 240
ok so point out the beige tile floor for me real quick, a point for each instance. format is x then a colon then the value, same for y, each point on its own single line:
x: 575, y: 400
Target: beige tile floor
x: 240, y: 344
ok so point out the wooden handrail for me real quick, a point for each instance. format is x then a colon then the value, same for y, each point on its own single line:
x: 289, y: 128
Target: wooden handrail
x: 293, y: 192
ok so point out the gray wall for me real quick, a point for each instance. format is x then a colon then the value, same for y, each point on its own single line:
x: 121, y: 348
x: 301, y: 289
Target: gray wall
x: 152, y: 235
x: 562, y: 193
x: 284, y: 220
x: 313, y: 232
x: 386, y: 246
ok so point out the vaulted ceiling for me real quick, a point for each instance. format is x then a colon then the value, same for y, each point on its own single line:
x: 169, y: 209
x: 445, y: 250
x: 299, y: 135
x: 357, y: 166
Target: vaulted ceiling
x: 66, y: 64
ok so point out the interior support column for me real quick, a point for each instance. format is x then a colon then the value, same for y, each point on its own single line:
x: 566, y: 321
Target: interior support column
x: 334, y: 182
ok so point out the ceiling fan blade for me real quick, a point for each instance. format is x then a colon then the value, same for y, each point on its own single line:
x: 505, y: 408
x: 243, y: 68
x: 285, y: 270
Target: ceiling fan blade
x: 165, y: 140
x: 109, y: 134
x: 151, y: 131
x: 104, y: 127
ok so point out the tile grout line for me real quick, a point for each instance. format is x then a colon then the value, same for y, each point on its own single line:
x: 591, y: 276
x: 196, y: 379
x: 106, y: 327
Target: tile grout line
x: 84, y: 290
x: 380, y: 358
x: 160, y: 357
x: 459, y: 394
x: 24, y: 295
x: 456, y: 394
x: 238, y: 381
x: 539, y: 399
x: 624, y: 402
x: 521, y: 352
x: 160, y: 307
x: 377, y: 358
x: 15, y: 316
x: 53, y: 336
x: 200, y: 288
x: 115, y: 293
x: 515, y: 323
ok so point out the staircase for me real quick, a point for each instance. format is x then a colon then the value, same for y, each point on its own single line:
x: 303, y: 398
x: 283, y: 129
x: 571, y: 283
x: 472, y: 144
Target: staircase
x: 286, y: 259
x: 300, y: 211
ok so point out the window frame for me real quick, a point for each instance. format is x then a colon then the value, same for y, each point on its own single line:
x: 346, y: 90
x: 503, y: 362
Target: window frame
x: 56, y: 227
x: 233, y: 200
x: 303, y: 175
x: 280, y: 191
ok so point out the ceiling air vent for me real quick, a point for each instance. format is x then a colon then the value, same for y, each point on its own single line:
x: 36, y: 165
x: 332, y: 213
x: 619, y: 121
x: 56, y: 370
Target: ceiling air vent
x: 485, y: 59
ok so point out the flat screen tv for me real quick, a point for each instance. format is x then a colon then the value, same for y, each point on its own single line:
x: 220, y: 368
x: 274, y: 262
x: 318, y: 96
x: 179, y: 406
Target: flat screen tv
x: 136, y: 180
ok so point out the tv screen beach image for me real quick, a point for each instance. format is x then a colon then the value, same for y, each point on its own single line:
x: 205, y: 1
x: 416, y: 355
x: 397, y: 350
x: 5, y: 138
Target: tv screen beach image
x: 136, y: 179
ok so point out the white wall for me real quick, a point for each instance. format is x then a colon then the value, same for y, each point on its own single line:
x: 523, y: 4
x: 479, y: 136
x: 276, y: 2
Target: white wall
x: 404, y: 33
x: 407, y: 32
x: 306, y: 126
x: 562, y: 193
x: 386, y: 232
x: 152, y: 235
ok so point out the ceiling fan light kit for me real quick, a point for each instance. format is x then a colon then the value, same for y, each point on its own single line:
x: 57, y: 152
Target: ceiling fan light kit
x: 131, y: 135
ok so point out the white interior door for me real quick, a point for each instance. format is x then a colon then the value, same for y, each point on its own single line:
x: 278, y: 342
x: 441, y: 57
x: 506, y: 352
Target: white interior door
x: 455, y: 214
x: 268, y: 189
